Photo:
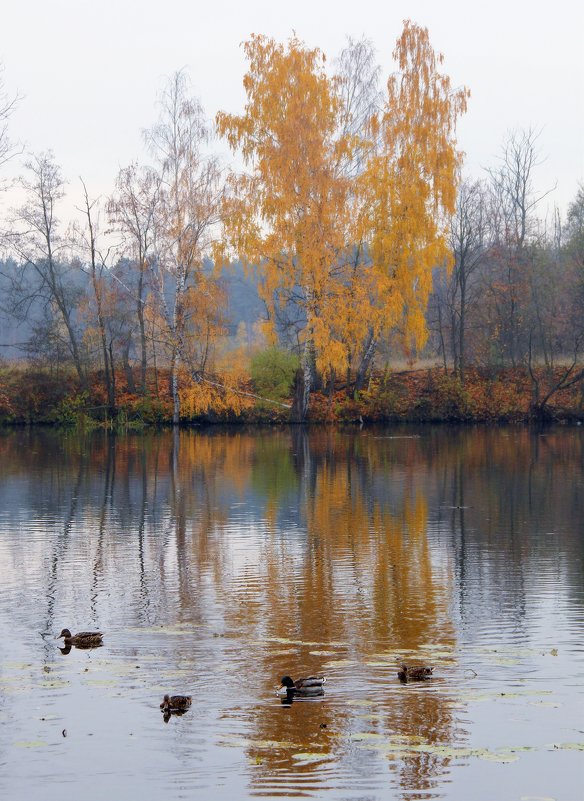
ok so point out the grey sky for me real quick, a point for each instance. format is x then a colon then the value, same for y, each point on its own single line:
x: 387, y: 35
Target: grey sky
x: 89, y: 72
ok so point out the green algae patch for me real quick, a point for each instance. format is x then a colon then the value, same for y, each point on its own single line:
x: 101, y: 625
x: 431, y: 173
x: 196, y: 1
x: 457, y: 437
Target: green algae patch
x: 566, y: 746
x: 30, y: 744
x: 403, y: 745
x: 310, y: 757
x: 54, y: 684
x: 361, y: 702
x: 537, y: 798
x: 303, y: 643
x: 504, y: 758
x: 245, y: 742
x: 166, y: 630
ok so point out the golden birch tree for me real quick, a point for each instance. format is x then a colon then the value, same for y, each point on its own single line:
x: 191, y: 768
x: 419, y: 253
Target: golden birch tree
x: 410, y: 188
x: 290, y: 213
x: 344, y: 205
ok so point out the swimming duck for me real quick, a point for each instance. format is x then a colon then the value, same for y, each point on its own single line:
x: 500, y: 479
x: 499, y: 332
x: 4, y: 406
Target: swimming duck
x: 308, y: 687
x: 418, y: 673
x: 176, y: 703
x: 83, y: 639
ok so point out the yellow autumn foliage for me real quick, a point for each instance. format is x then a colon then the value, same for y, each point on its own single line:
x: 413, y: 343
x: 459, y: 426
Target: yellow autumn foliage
x: 354, y: 248
x: 222, y: 393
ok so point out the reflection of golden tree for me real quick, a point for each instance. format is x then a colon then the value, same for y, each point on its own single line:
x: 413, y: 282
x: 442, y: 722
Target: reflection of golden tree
x: 295, y: 545
x: 360, y: 574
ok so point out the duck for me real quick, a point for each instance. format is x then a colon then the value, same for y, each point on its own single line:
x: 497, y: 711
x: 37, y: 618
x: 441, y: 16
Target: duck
x: 176, y: 703
x: 308, y: 687
x: 83, y: 639
x: 417, y: 673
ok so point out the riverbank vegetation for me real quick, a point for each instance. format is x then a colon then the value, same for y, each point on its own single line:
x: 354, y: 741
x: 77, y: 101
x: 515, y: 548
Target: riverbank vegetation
x: 310, y: 284
x: 37, y: 396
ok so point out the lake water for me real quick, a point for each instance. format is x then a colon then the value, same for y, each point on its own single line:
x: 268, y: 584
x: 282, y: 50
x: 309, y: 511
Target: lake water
x: 216, y: 562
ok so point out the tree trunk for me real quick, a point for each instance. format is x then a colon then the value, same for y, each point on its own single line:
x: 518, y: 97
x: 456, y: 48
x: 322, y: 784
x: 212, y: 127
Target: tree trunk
x: 174, y: 388
x: 143, y: 348
x: 365, y: 364
x: 462, y: 326
x: 296, y: 415
x: 307, y: 378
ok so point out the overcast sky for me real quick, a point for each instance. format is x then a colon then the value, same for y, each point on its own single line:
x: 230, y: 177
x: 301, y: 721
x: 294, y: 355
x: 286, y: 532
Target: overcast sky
x: 89, y: 71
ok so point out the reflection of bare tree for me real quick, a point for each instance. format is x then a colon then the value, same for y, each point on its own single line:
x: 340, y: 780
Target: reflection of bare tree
x: 60, y: 545
x: 109, y: 475
x: 143, y: 505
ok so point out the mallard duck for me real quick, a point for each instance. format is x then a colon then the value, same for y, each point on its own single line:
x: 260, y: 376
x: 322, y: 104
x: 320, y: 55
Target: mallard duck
x: 176, y: 703
x: 418, y: 673
x: 83, y: 639
x: 305, y: 688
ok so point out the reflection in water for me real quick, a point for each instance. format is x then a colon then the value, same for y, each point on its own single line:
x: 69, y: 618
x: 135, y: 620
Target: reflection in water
x: 222, y: 561
x: 66, y: 649
x: 168, y: 713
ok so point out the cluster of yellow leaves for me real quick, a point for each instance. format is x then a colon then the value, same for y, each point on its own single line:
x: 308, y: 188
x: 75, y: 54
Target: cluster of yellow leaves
x: 290, y: 214
x: 410, y: 183
x: 222, y: 395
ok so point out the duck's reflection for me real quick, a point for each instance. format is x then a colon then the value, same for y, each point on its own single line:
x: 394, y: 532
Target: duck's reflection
x: 173, y: 713
x: 66, y: 649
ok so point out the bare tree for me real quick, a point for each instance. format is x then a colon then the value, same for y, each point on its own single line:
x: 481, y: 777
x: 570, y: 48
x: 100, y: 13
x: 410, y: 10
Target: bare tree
x: 36, y: 239
x: 514, y: 201
x: 93, y: 261
x: 358, y: 91
x: 469, y: 242
x: 357, y: 82
x: 189, y: 209
x: 132, y: 210
x: 7, y: 105
x: 574, y: 230
x: 556, y: 335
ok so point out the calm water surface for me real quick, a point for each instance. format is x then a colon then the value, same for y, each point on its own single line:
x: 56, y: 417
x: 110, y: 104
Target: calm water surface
x: 217, y: 562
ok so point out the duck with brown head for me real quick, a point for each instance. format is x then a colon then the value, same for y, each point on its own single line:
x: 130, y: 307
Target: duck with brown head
x: 83, y: 639
x: 414, y: 673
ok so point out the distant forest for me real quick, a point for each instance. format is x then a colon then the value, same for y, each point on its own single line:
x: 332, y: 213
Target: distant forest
x: 349, y: 247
